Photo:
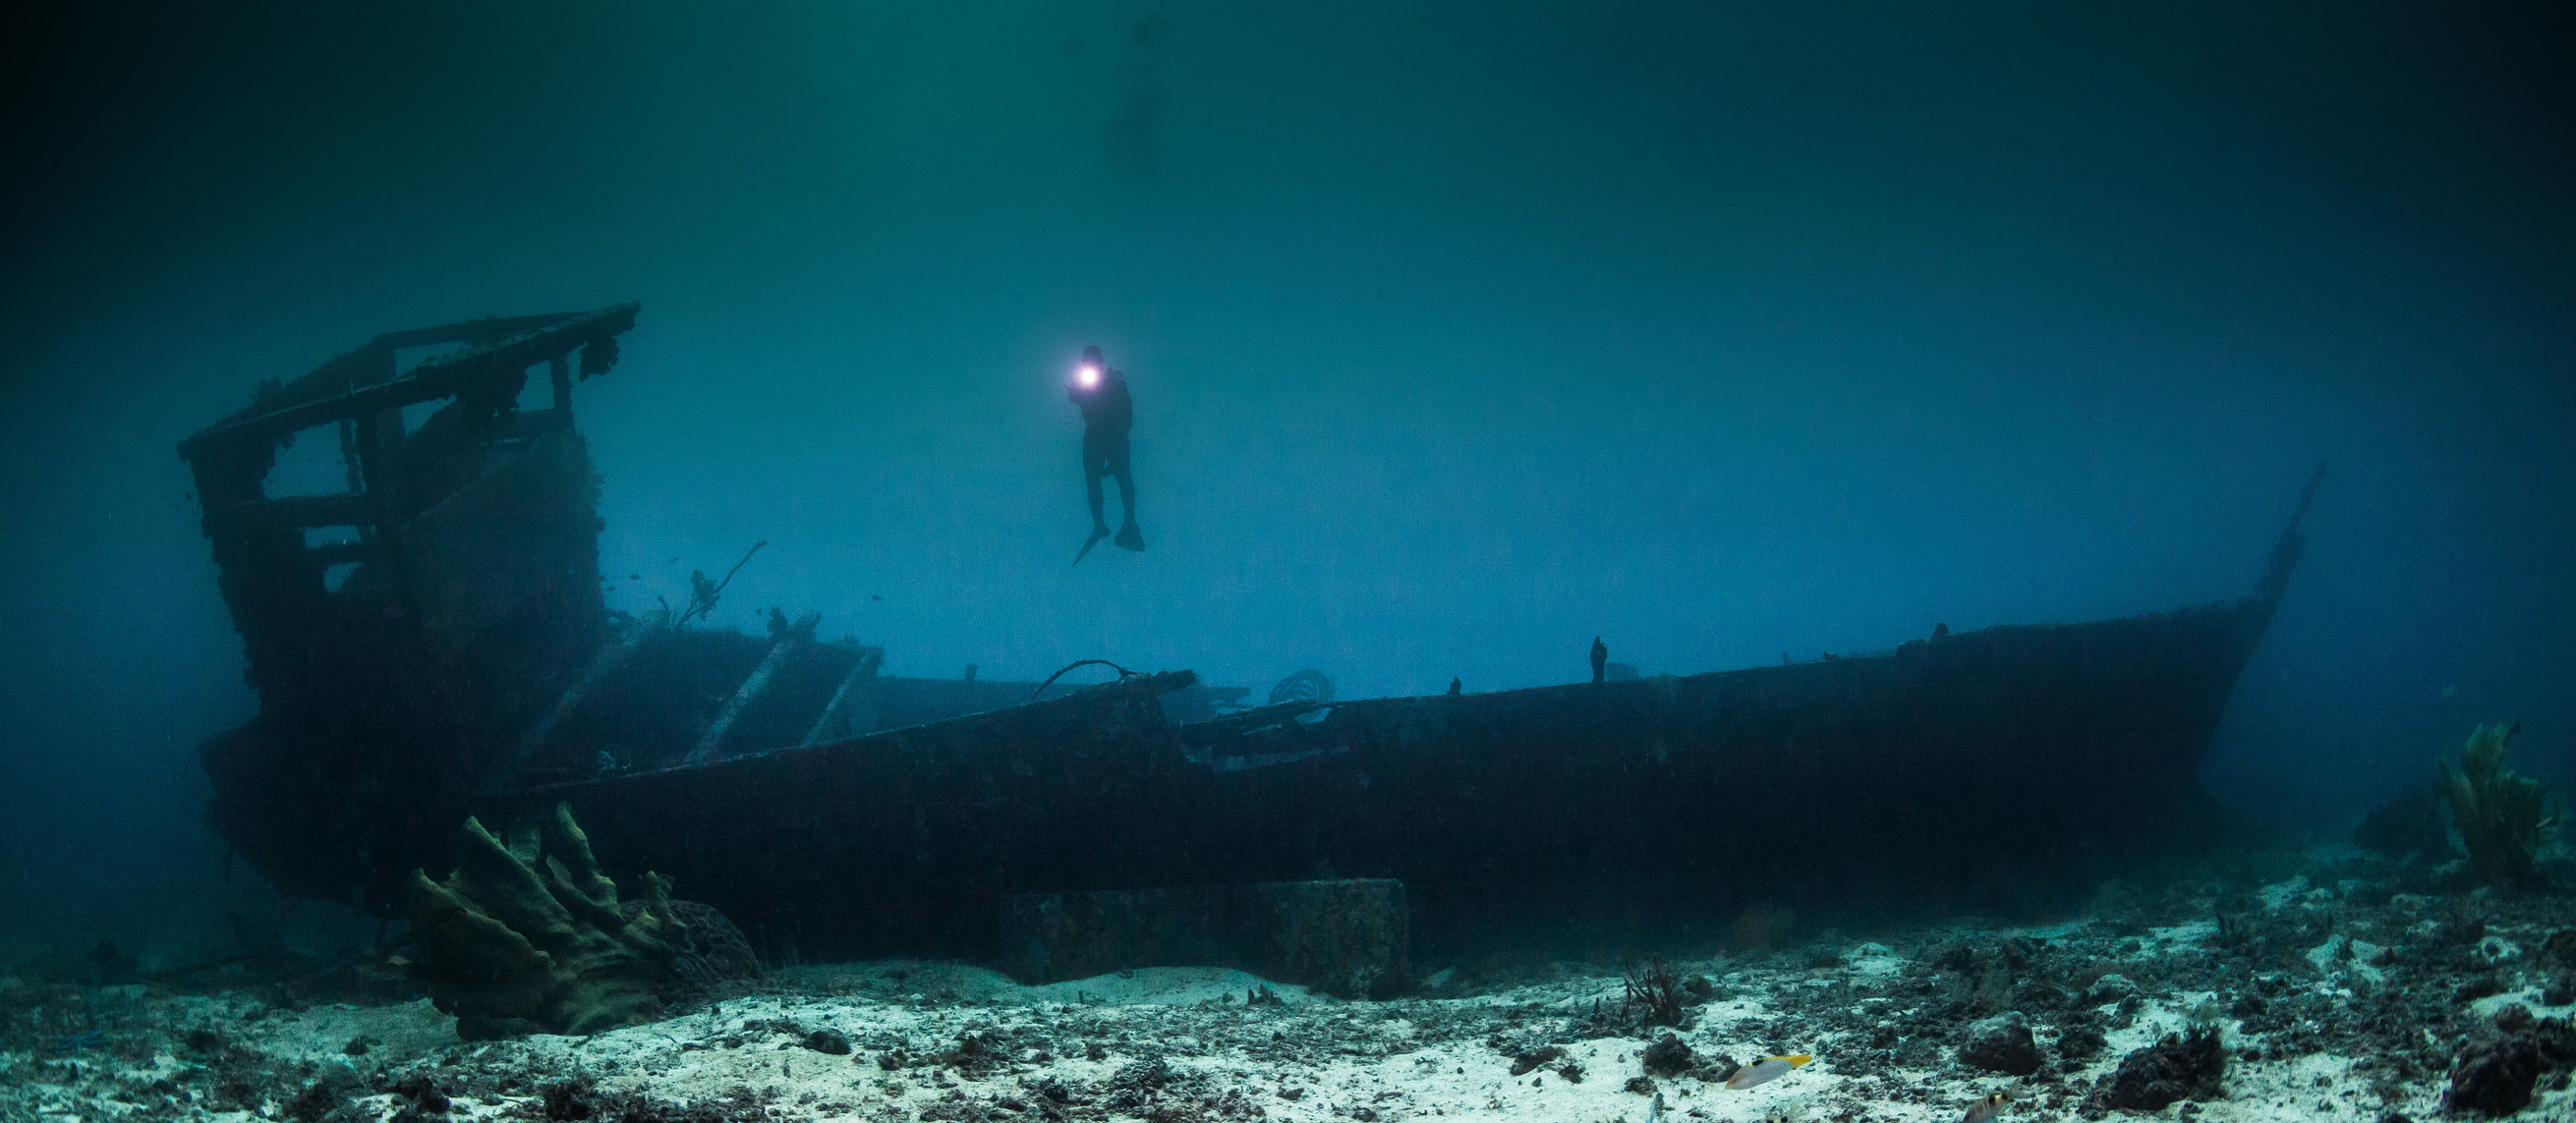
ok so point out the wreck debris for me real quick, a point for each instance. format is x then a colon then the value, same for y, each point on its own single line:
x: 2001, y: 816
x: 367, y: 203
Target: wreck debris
x: 531, y: 937
x: 704, y: 593
x: 467, y: 559
x: 787, y: 639
x: 612, y: 658
x: 853, y: 709
x: 1308, y: 685
x: 1123, y: 673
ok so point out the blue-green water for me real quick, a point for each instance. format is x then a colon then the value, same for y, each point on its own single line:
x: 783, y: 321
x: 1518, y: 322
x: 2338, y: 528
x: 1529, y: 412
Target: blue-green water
x: 1457, y: 335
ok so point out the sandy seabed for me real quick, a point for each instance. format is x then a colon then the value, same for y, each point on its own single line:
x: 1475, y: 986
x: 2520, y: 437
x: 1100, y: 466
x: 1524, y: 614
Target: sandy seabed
x: 2350, y: 991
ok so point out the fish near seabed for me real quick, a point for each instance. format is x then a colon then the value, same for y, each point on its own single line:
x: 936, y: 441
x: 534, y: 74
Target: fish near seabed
x: 1985, y: 1109
x: 1765, y: 1070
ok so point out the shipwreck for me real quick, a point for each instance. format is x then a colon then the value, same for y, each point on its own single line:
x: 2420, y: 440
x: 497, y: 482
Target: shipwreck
x: 432, y: 642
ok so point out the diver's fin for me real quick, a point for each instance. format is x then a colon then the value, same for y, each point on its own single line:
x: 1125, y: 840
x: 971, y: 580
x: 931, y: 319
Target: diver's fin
x: 1097, y: 534
x: 1130, y: 538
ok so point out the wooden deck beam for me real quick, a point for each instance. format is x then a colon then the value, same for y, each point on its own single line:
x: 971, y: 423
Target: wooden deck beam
x: 796, y: 636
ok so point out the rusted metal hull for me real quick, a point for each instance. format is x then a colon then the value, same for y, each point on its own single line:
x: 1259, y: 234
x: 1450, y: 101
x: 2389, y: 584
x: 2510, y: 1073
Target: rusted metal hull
x: 446, y: 649
x: 1981, y: 769
x: 904, y: 840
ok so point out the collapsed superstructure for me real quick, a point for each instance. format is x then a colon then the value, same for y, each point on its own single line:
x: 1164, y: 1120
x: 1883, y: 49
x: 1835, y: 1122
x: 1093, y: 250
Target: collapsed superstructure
x: 402, y: 631
x: 432, y: 642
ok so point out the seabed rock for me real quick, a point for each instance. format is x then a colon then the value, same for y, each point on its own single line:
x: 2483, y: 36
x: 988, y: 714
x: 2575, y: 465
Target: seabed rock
x: 2002, y: 1044
x: 2180, y: 1067
x: 532, y: 938
x: 1668, y: 1056
x: 2494, y: 1078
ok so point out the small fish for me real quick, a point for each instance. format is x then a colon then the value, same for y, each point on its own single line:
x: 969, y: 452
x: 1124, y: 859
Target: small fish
x: 1765, y: 1070
x: 1985, y: 1109
x: 873, y: 596
x: 77, y: 1042
x: 1655, y: 1111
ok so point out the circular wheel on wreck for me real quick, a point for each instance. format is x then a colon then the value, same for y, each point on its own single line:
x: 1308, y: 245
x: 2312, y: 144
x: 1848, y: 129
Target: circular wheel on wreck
x: 1308, y: 685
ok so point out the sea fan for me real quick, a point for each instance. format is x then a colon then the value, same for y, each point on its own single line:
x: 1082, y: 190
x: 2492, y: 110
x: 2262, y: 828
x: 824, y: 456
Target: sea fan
x: 1654, y: 994
x: 2502, y: 818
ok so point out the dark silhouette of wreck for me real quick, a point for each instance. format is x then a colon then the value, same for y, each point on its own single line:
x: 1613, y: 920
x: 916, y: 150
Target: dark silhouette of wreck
x: 433, y: 643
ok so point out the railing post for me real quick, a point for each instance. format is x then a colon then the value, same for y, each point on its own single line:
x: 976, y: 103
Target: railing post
x: 559, y: 370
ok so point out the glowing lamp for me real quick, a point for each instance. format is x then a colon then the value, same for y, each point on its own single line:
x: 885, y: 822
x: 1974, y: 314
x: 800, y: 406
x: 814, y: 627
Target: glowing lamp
x: 1086, y: 376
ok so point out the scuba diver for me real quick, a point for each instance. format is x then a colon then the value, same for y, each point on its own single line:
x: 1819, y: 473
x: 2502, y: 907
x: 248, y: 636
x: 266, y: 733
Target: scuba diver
x: 1107, y: 414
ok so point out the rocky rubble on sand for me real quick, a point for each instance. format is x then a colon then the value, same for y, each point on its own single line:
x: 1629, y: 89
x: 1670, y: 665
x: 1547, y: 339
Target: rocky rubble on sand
x: 2325, y: 985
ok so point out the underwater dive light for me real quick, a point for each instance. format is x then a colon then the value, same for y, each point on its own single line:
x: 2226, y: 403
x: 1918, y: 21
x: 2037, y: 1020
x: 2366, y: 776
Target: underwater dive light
x: 1087, y: 376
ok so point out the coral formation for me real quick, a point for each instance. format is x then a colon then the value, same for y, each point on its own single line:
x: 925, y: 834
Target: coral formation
x: 712, y: 951
x: 1654, y: 993
x: 1668, y: 1056
x: 2502, y: 818
x: 531, y: 937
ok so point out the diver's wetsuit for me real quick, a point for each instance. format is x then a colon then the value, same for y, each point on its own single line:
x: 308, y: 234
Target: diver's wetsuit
x: 1107, y: 414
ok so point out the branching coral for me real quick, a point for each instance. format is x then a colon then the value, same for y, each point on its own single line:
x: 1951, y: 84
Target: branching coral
x: 2502, y: 818
x: 1655, y: 994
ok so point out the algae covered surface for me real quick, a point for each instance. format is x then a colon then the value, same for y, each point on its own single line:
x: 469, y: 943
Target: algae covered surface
x: 2316, y: 985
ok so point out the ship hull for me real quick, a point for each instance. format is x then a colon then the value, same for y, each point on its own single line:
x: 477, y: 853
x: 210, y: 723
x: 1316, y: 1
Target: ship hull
x: 435, y: 642
x: 1985, y: 769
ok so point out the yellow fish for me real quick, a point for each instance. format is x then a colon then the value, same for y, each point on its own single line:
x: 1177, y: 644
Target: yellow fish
x: 1985, y: 1109
x: 1765, y: 1070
